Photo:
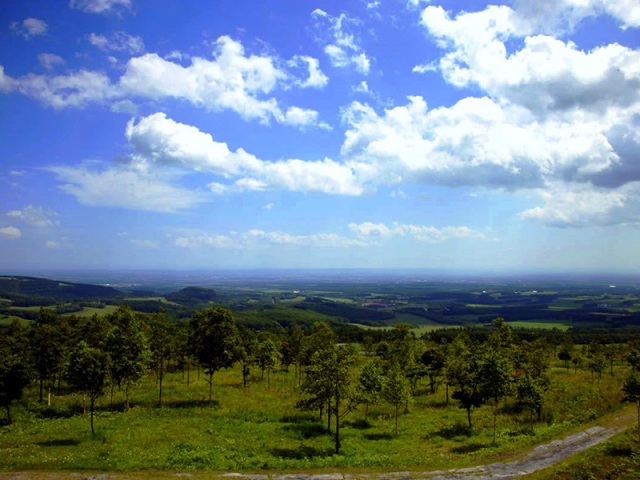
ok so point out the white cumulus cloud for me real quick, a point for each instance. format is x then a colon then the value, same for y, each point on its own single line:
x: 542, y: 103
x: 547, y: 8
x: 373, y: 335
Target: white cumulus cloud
x: 10, y: 232
x: 341, y: 44
x: 99, y: 6
x: 35, y: 216
x: 124, y: 187
x: 118, y: 42
x: 30, y: 27
x: 50, y: 60
x: 232, y: 80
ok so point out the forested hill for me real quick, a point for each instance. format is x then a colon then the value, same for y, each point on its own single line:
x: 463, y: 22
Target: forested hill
x: 12, y: 286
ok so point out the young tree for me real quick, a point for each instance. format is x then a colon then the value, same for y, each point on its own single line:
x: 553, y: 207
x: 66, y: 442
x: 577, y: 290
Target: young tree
x: 496, y: 367
x: 267, y: 355
x: 610, y: 353
x: 14, y: 370
x: 633, y: 356
x: 87, y: 373
x: 248, y: 345
x: 533, y: 361
x: 564, y: 353
x: 597, y: 364
x: 344, y: 398
x: 433, y: 358
x: 370, y: 385
x: 529, y: 393
x: 292, y: 348
x: 128, y: 349
x: 396, y: 390
x: 464, y: 374
x: 318, y: 351
x: 162, y: 342
x: 632, y: 390
x: 496, y: 374
x: 47, y: 349
x: 214, y: 340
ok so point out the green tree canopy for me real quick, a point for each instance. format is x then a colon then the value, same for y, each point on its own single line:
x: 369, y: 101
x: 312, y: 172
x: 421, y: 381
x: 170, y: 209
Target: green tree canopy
x: 214, y: 340
x: 87, y: 372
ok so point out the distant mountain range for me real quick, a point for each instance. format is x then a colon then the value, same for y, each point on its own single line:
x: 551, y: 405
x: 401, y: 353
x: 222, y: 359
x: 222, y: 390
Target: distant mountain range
x: 41, y: 287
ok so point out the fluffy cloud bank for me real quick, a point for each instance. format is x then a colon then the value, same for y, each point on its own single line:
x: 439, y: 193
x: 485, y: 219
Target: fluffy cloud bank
x: 232, y: 80
x: 556, y: 118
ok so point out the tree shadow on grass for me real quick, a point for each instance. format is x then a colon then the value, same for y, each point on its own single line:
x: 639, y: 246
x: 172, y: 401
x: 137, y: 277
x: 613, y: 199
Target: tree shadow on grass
x: 450, y: 433
x: 50, y: 412
x: 301, y: 453
x: 299, y: 417
x: 308, y: 429
x: 62, y: 442
x: 360, y: 424
x: 190, y: 403
x: 378, y: 436
x: 469, y: 448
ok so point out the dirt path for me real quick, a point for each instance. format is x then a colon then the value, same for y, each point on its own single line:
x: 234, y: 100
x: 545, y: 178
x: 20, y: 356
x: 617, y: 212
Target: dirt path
x: 540, y: 457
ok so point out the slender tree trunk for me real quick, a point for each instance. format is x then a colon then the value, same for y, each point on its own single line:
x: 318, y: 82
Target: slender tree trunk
x: 531, y: 416
x: 92, y: 407
x: 111, y: 396
x: 337, y: 424
x: 188, y: 372
x: 84, y: 403
x: 59, y: 380
x: 397, y: 408
x: 126, y: 397
x: 469, y: 417
x: 8, y: 413
x: 41, y: 389
x: 495, y: 420
x: 160, y: 381
x: 210, y: 388
x: 48, y: 394
x: 329, y: 415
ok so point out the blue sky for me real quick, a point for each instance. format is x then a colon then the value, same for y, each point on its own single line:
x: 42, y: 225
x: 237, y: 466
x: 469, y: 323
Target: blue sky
x: 387, y: 134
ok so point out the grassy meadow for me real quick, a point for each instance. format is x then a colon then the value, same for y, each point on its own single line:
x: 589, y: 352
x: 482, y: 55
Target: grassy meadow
x: 257, y: 427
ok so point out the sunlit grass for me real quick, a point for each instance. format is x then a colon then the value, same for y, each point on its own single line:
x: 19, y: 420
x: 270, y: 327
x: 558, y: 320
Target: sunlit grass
x: 257, y: 428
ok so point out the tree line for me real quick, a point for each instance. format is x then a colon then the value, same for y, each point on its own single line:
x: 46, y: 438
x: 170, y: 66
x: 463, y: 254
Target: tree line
x: 94, y: 356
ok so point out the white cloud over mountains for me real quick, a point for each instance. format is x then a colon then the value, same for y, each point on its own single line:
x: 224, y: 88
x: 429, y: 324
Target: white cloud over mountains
x: 232, y: 81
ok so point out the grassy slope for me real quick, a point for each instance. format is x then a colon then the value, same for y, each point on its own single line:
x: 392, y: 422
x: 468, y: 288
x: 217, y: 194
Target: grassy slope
x: 258, y: 428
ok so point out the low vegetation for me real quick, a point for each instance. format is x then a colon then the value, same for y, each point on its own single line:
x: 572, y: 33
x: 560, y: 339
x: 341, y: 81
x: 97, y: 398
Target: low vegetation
x: 130, y: 391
